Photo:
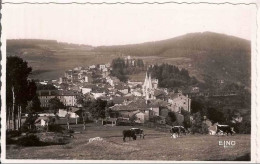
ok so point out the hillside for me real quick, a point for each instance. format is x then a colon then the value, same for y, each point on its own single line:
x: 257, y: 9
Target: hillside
x: 16, y: 44
x: 207, y: 56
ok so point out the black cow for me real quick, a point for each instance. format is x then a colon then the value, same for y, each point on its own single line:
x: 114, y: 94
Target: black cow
x: 183, y: 130
x: 177, y: 130
x: 129, y: 133
x: 225, y: 129
x: 138, y: 132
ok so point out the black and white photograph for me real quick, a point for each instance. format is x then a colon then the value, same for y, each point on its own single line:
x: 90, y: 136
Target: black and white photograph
x: 128, y: 82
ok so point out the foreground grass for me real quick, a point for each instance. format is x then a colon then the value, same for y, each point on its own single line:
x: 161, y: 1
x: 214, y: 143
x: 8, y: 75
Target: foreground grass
x: 156, y: 146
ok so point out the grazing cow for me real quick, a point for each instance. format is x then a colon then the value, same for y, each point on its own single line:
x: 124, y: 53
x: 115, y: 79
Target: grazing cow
x: 138, y: 132
x: 129, y: 133
x: 182, y: 130
x: 176, y: 131
x: 225, y: 129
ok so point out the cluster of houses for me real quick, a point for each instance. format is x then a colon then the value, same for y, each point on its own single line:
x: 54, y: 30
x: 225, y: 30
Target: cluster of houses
x: 137, y: 100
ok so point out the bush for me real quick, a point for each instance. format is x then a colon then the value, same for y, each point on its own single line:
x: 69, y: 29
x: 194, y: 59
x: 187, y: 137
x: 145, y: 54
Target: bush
x: 68, y: 131
x: 243, y: 128
x: 171, y: 118
x: 30, y: 140
x: 198, y: 126
x: 124, y: 123
x: 25, y: 129
x: 10, y: 141
x: 55, y: 128
x: 13, y: 133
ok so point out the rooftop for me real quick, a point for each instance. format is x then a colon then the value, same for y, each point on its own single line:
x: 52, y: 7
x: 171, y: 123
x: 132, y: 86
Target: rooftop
x: 56, y: 93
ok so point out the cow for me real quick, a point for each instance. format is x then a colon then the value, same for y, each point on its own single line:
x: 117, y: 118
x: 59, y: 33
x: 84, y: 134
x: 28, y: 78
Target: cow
x: 129, y: 133
x: 225, y: 129
x: 138, y: 132
x: 183, y: 130
x: 177, y: 130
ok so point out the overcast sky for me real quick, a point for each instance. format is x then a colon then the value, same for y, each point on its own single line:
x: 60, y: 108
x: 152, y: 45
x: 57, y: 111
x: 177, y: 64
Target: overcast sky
x: 123, y: 24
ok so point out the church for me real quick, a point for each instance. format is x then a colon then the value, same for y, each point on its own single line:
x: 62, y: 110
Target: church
x: 177, y: 101
x: 149, y: 87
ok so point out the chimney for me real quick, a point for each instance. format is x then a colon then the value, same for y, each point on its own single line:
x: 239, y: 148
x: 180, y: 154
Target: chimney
x: 49, y: 93
x: 40, y: 93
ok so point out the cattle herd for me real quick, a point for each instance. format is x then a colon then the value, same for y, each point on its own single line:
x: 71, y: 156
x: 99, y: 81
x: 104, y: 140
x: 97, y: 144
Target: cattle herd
x: 176, y: 131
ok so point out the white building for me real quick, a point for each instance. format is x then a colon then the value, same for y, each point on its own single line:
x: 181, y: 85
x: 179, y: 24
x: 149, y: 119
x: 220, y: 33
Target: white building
x: 92, y: 67
x: 179, y: 101
x: 86, y: 90
x: 63, y: 113
x: 102, y: 67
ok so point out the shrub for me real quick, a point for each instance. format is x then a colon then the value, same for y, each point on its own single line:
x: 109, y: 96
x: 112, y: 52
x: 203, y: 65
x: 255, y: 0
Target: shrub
x: 25, y: 129
x: 124, y: 123
x: 30, y: 140
x: 10, y: 141
x: 55, y: 128
x: 243, y: 128
x: 13, y: 133
x: 171, y: 118
x: 68, y: 131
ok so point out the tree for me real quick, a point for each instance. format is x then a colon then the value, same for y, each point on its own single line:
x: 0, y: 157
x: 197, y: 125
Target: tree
x: 171, y: 118
x: 170, y: 76
x: 196, y: 126
x: 187, y: 121
x: 98, y: 108
x: 68, y: 120
x: 133, y: 118
x: 80, y: 101
x: 196, y: 106
x: 30, y: 121
x: 34, y: 105
x: 19, y: 90
x: 85, y: 117
x: 55, y: 104
x: 216, y: 115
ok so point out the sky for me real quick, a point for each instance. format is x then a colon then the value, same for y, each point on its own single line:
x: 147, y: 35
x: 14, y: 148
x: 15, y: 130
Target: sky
x: 98, y: 25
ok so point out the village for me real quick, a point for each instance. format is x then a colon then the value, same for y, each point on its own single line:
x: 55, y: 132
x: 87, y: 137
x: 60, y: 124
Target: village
x: 138, y: 101
x: 92, y: 110
x: 159, y: 81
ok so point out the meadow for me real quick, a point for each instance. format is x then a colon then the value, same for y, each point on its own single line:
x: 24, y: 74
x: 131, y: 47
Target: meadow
x: 157, y: 145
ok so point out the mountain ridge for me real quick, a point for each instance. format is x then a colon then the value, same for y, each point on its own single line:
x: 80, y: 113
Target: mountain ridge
x: 207, y: 55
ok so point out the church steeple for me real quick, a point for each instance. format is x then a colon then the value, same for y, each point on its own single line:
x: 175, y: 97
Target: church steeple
x: 148, y: 89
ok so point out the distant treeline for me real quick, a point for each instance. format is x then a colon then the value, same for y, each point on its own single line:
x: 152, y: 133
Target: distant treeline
x: 121, y: 68
x: 170, y: 76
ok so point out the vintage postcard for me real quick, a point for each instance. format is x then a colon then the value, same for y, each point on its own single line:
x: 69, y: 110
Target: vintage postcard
x: 129, y: 82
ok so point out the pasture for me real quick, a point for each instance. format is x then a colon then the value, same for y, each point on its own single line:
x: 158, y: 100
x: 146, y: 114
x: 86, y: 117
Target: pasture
x: 156, y: 146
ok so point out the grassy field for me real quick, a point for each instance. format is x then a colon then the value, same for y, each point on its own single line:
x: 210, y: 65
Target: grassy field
x: 156, y: 146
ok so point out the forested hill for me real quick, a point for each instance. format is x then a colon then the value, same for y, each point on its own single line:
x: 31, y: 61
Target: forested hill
x: 206, y: 41
x: 208, y: 56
